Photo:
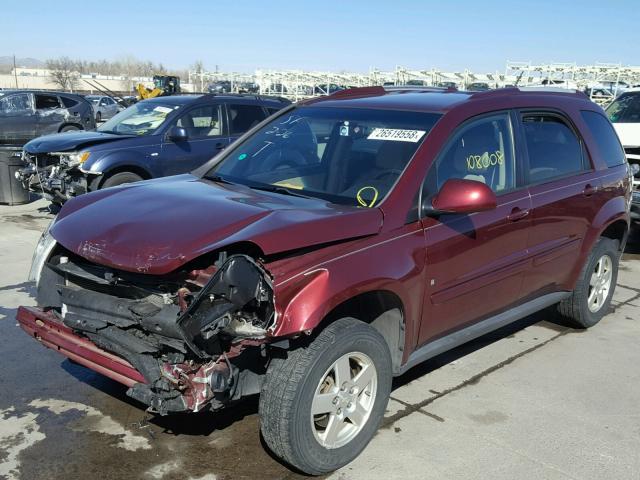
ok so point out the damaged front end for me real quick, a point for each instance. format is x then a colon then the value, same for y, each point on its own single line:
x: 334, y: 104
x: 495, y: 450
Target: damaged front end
x: 56, y: 175
x: 185, y: 341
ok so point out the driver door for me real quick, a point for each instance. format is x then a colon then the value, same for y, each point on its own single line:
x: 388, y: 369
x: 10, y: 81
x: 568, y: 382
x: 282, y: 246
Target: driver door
x: 206, y: 137
x: 475, y: 262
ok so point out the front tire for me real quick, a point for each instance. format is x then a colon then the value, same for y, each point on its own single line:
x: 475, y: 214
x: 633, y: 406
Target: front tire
x: 591, y: 298
x: 121, y: 178
x: 320, y: 406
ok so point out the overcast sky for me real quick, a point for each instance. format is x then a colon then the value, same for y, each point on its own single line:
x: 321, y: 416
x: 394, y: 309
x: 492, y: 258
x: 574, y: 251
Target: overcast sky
x: 326, y: 34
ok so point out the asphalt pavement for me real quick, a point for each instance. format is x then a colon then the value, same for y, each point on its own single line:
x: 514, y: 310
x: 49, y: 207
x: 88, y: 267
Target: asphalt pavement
x: 534, y: 400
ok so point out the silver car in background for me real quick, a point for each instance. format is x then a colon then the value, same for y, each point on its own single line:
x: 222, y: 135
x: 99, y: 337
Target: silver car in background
x: 104, y: 106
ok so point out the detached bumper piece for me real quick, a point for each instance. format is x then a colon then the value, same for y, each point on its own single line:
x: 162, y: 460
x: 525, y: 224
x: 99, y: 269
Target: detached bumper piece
x: 52, y: 333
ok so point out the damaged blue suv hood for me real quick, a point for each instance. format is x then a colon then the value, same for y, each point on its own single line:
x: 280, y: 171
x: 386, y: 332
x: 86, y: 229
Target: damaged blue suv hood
x: 69, y: 141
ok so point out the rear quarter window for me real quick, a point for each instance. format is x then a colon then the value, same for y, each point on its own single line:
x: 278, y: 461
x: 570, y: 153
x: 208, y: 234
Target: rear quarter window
x: 68, y: 102
x: 605, y: 136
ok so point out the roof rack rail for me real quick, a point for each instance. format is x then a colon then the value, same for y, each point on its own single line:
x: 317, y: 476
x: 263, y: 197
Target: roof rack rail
x: 256, y: 96
x: 418, y: 88
x: 512, y: 90
x: 358, y: 92
x: 381, y: 90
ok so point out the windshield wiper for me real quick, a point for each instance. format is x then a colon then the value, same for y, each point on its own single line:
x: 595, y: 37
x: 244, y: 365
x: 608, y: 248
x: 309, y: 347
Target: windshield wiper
x: 278, y: 189
x: 218, y: 179
x: 113, y: 132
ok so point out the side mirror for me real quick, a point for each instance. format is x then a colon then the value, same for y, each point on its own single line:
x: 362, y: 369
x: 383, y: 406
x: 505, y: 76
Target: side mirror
x: 461, y: 196
x: 177, y: 134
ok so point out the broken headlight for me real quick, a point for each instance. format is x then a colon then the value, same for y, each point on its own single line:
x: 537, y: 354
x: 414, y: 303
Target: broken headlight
x: 74, y: 159
x: 43, y: 250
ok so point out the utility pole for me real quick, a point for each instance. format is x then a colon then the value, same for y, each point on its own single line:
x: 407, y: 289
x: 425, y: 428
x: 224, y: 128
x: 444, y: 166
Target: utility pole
x: 15, y: 72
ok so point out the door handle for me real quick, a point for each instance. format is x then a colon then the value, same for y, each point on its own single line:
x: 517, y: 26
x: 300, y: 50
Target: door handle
x: 589, y: 190
x: 517, y: 214
x: 220, y: 146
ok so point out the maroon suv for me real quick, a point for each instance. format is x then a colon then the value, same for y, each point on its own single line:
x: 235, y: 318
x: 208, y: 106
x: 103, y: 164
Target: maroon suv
x: 336, y: 245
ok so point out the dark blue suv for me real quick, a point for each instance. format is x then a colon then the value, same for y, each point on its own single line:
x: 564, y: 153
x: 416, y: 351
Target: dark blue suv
x: 153, y: 138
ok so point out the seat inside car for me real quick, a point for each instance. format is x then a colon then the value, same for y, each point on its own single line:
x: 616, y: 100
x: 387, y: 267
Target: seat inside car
x: 473, y: 157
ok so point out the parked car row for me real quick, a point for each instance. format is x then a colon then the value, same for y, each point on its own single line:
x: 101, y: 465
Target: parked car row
x: 338, y: 244
x: 153, y: 138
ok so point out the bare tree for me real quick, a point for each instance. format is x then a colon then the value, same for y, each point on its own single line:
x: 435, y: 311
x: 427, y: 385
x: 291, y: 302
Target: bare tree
x: 198, y: 69
x: 64, y: 72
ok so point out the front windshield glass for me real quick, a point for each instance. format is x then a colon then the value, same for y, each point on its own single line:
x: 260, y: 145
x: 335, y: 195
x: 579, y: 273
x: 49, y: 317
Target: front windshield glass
x: 143, y: 118
x: 93, y: 100
x: 350, y: 156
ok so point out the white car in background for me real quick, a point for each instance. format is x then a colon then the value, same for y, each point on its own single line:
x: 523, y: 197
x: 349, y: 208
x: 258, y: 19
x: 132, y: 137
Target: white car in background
x: 624, y: 113
x: 104, y: 106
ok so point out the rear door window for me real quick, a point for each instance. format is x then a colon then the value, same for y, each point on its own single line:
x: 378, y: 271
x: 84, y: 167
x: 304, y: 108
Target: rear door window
x: 69, y: 102
x: 245, y: 117
x: 605, y: 135
x: 44, y: 102
x: 553, y: 148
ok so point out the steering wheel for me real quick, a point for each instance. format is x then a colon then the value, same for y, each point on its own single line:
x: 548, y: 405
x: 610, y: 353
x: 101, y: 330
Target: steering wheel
x: 393, y: 171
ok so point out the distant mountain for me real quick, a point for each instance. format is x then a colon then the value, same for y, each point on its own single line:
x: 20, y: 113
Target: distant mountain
x: 22, y: 62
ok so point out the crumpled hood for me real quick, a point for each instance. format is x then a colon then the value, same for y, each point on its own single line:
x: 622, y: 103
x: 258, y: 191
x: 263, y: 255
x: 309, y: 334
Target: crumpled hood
x: 67, y: 141
x: 156, y: 226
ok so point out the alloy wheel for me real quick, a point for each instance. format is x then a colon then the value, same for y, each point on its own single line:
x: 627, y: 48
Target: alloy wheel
x: 600, y: 283
x: 343, y: 400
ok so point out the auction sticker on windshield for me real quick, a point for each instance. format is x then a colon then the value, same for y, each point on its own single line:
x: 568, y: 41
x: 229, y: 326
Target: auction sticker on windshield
x: 396, y: 135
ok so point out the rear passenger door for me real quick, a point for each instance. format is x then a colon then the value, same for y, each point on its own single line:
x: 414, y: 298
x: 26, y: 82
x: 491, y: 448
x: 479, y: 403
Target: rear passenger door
x: 476, y: 262
x: 206, y: 137
x: 563, y: 186
x: 50, y: 113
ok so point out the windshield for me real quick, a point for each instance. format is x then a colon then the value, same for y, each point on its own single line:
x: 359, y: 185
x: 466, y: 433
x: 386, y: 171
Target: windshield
x: 625, y: 108
x: 142, y: 118
x: 347, y: 156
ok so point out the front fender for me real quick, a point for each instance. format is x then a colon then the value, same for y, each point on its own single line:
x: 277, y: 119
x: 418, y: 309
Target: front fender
x: 120, y: 158
x: 393, y: 263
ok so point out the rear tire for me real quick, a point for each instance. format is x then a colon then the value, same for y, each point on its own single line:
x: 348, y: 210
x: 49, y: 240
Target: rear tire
x: 98, y: 117
x: 344, y: 376
x: 120, y: 179
x: 591, y: 298
x: 69, y: 128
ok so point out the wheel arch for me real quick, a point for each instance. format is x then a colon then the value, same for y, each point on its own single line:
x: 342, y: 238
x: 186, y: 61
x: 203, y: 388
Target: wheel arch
x: 132, y: 168
x: 70, y: 124
x: 383, y: 310
x: 378, y: 305
x: 612, y: 221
